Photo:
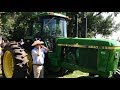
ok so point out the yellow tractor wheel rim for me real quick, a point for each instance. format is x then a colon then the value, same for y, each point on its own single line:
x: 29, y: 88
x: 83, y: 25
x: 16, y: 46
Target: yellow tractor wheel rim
x: 8, y: 64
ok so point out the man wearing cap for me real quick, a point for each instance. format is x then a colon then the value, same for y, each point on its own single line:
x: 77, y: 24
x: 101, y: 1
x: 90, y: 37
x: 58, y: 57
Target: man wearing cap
x: 38, y: 58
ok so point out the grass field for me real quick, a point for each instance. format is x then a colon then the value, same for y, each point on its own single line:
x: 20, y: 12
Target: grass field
x: 74, y: 74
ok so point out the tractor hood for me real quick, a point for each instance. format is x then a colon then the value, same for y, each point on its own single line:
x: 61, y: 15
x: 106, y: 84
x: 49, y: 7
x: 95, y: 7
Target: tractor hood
x: 88, y: 43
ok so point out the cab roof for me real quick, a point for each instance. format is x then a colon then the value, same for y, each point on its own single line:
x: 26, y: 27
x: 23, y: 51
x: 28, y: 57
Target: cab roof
x: 51, y: 14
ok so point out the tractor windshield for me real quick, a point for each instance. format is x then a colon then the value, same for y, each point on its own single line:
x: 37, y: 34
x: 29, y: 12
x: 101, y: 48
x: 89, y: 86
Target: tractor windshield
x: 55, y: 27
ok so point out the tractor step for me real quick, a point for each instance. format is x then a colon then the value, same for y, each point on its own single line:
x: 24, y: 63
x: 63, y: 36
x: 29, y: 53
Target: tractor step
x: 117, y: 75
x: 118, y: 71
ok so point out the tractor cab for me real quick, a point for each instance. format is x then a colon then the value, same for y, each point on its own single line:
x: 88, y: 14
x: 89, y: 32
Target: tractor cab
x: 47, y: 27
x: 50, y: 24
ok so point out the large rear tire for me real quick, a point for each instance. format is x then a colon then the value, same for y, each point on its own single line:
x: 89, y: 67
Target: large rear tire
x: 30, y: 66
x: 14, y: 61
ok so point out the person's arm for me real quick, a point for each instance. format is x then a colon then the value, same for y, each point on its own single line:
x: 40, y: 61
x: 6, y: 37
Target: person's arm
x: 46, y: 49
x: 35, y: 52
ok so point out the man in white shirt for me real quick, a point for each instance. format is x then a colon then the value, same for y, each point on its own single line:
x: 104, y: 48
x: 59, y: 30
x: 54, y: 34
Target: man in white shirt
x: 38, y: 58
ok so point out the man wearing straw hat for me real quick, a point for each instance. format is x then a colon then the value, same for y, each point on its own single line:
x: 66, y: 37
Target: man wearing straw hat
x: 38, y: 58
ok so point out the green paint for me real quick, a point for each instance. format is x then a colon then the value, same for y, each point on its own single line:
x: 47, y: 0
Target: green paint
x: 101, y: 61
x: 100, y: 56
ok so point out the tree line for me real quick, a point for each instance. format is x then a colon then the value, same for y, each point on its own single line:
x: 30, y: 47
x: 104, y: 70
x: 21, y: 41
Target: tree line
x: 14, y: 24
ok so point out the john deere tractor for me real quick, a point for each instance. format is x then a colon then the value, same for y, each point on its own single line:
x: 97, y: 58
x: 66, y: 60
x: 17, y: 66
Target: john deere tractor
x: 95, y: 56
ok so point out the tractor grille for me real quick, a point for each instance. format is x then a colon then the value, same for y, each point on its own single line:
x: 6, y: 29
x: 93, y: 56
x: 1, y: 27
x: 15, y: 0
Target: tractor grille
x: 80, y: 56
x: 88, y: 58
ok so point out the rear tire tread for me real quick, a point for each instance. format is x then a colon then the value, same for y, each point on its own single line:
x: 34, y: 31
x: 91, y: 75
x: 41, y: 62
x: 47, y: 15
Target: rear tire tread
x: 19, y: 72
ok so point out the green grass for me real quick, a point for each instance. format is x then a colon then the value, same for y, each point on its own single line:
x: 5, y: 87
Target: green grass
x: 75, y: 74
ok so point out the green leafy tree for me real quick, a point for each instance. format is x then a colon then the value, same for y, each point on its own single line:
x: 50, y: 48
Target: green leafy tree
x: 100, y: 25
x: 21, y: 25
x: 14, y: 25
x: 96, y: 24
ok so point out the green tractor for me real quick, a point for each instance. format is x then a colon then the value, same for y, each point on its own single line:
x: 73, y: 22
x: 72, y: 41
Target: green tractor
x: 95, y: 56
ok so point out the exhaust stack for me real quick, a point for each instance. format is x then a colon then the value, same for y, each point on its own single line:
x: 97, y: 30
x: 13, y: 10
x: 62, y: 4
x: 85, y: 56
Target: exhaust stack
x: 84, y: 26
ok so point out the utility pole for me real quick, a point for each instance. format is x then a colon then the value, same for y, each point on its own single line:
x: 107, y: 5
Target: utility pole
x: 84, y: 26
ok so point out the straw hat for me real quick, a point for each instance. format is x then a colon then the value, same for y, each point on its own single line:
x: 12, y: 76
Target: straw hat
x: 37, y: 42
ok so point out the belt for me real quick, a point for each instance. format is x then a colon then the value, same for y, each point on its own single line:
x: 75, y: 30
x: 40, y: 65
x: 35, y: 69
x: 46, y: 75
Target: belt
x: 38, y: 64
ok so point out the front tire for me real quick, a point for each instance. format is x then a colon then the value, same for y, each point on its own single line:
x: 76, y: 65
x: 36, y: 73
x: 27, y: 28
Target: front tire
x: 14, y: 61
